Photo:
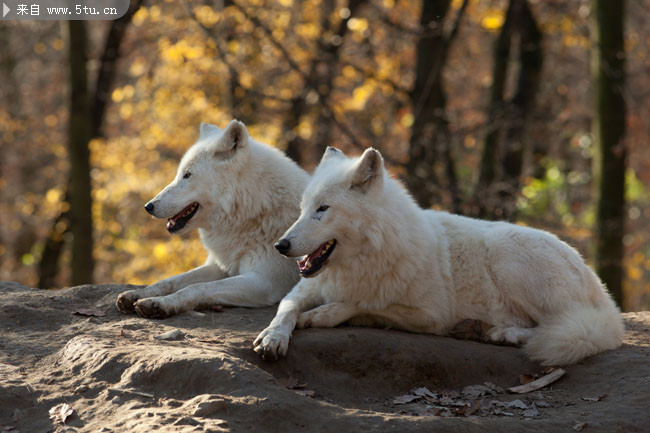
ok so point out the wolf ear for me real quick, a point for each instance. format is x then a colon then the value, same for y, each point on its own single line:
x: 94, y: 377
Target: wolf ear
x: 234, y: 138
x: 207, y: 129
x: 331, y: 152
x: 368, y: 171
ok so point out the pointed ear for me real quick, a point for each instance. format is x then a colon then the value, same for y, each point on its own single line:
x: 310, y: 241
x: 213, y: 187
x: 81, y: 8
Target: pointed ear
x: 234, y: 138
x: 207, y: 129
x: 331, y: 152
x: 368, y: 171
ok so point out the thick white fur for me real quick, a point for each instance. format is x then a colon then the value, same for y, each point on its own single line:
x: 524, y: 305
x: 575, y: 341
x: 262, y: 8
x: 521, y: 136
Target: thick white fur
x: 249, y: 193
x: 424, y: 271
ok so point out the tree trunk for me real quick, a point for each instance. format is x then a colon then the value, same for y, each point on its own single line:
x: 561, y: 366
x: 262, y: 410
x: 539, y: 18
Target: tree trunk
x: 430, y: 126
x: 319, y: 79
x: 484, y: 196
x: 49, y: 263
x: 79, y: 133
x: 530, y: 60
x: 609, y: 129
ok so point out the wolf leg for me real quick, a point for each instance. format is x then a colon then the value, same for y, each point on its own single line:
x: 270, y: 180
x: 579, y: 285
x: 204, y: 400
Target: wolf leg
x: 510, y: 335
x: 250, y: 290
x: 274, y: 340
x: 328, y: 315
x: 209, y: 272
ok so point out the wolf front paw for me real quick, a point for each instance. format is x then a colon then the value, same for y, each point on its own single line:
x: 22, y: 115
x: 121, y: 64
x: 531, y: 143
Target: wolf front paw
x: 125, y: 301
x: 152, y: 308
x: 271, y: 344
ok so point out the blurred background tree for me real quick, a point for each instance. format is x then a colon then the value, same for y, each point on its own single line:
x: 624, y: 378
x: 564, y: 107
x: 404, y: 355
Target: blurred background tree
x: 484, y: 107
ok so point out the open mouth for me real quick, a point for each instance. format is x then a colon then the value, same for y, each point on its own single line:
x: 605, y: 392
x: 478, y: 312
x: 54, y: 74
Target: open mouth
x: 313, y: 262
x: 179, y: 220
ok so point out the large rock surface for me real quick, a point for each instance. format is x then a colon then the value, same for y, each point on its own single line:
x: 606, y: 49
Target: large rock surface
x: 118, y: 378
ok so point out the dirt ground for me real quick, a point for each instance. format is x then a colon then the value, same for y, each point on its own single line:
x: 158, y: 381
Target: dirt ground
x: 116, y: 377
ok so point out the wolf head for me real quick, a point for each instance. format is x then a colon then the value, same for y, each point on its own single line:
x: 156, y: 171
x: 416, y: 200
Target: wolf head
x: 203, y: 182
x: 336, y: 211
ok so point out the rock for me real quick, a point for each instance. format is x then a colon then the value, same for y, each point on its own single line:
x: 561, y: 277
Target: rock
x: 207, y: 408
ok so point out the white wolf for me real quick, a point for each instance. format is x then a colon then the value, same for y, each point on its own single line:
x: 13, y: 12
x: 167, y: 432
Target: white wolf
x: 372, y: 255
x: 241, y: 195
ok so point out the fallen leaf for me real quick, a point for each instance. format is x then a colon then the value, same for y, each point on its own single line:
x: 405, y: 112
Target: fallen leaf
x: 468, y: 410
x: 539, y: 383
x: 406, y: 398
x: 503, y: 412
x: 579, y: 426
x: 174, y: 334
x: 493, y: 387
x: 527, y: 378
x: 600, y: 397
x: 80, y: 389
x: 518, y: 404
x: 89, y: 312
x: 292, y: 383
x: 424, y: 392
x: 476, y: 391
x: 530, y: 413
x: 60, y: 413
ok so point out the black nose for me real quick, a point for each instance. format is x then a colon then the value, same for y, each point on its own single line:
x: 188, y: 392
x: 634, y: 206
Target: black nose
x: 283, y: 246
x: 149, y: 207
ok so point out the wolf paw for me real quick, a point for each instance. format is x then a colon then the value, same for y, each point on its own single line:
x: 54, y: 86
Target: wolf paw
x: 509, y: 336
x: 125, y: 301
x: 271, y: 344
x: 152, y: 308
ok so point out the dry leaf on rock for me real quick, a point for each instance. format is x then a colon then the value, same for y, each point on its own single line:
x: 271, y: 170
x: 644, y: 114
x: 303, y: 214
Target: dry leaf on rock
x: 518, y: 404
x: 543, y: 381
x: 579, y: 426
x: 406, y: 398
x: 292, y: 383
x: 89, y: 312
x: 600, y: 397
x: 424, y: 392
x: 503, y: 412
x: 530, y: 413
x: 60, y: 413
x: 467, y: 409
x: 174, y: 334
x: 476, y: 391
x: 493, y: 387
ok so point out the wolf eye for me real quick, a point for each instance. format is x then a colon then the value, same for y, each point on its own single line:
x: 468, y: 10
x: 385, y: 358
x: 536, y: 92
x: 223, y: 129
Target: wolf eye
x: 187, y: 175
x: 323, y: 208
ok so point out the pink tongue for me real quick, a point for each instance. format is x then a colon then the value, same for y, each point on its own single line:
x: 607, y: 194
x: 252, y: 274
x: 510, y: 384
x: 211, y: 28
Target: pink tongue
x: 311, y: 256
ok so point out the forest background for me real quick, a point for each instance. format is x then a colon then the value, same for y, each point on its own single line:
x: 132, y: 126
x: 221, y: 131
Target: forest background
x: 531, y: 111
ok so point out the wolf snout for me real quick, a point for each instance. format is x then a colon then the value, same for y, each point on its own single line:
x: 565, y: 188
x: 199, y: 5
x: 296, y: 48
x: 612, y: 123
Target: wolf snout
x: 283, y: 246
x: 149, y: 207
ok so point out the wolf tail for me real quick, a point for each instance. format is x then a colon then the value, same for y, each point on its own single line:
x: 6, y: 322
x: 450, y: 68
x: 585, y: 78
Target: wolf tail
x: 577, y: 332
